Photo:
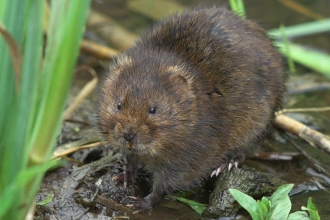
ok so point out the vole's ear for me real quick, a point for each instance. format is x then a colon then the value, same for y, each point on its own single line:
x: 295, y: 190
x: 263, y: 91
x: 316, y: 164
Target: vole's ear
x: 182, y: 80
x: 180, y: 75
x: 118, y: 64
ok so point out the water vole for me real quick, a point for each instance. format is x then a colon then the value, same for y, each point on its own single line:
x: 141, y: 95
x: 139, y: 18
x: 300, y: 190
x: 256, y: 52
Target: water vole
x: 195, y: 93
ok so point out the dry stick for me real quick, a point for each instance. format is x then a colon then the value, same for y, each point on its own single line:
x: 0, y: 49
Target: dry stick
x: 301, y: 9
x: 15, y: 54
x: 78, y: 121
x: 71, y: 160
x: 110, y: 31
x: 320, y: 109
x: 314, y: 138
x: 275, y: 155
x: 84, y: 92
x: 155, y: 9
x: 63, y: 152
x: 310, y: 87
x: 116, y: 206
x: 98, y: 50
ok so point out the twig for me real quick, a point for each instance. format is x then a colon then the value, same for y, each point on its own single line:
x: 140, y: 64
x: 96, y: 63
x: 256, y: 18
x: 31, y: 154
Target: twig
x: 79, y: 163
x: 65, y: 151
x: 320, y: 109
x: 275, y: 155
x: 84, y: 92
x: 117, y: 206
x: 98, y: 50
x: 313, y: 137
x: 155, y: 9
x: 78, y: 121
x: 301, y: 9
x: 310, y: 87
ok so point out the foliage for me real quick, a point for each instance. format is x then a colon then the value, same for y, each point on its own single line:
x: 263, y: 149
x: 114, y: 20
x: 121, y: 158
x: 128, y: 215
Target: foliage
x: 33, y: 85
x: 198, y: 207
x: 238, y: 7
x: 277, y: 207
x: 313, y: 59
x: 314, y: 27
x: 47, y: 200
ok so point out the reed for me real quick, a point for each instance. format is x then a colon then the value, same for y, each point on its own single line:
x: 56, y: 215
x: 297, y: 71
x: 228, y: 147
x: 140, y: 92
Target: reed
x: 35, y: 75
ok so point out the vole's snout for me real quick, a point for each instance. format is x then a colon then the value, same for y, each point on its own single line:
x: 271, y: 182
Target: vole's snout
x: 129, y: 136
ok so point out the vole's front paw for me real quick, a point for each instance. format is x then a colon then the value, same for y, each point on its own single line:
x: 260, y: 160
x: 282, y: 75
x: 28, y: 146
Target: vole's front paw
x: 234, y: 162
x: 146, y: 203
x: 141, y: 204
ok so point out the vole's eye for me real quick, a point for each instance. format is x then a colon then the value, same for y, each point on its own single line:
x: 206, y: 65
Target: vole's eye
x: 152, y: 110
x: 119, y: 105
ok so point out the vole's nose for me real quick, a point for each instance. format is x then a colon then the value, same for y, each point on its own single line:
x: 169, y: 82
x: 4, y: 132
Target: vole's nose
x: 129, y: 136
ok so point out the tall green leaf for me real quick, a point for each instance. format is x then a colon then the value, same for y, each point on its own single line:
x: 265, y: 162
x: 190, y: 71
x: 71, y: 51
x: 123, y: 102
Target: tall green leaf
x: 10, y: 155
x: 305, y: 56
x: 314, y: 27
x: 247, y: 202
x: 31, y: 107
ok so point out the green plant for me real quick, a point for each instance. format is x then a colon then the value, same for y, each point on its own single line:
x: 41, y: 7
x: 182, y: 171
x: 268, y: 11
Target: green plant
x: 309, y: 28
x: 277, y: 207
x: 313, y: 59
x: 238, y: 7
x: 198, y: 207
x: 33, y: 91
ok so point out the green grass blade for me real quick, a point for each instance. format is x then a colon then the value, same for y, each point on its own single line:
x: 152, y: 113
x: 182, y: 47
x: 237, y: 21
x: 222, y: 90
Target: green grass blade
x: 17, y: 119
x: 314, y: 27
x: 307, y: 57
x: 30, y: 120
x: 13, y: 20
x: 10, y: 196
x: 30, y: 72
x: 2, y: 8
x: 238, y: 7
x: 286, y: 43
x: 58, y: 67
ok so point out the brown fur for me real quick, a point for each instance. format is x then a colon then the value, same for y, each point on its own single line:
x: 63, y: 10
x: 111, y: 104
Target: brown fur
x: 215, y: 80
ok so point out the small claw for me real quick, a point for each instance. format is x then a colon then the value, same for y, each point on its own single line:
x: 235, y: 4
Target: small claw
x: 230, y: 165
x: 213, y: 173
x: 133, y: 197
x: 218, y: 171
x: 236, y: 164
x: 125, y: 184
x: 130, y: 205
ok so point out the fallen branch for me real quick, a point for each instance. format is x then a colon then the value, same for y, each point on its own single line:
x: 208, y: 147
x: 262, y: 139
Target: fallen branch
x: 98, y: 50
x: 318, y: 109
x: 313, y: 137
x: 119, y: 207
x: 84, y: 92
